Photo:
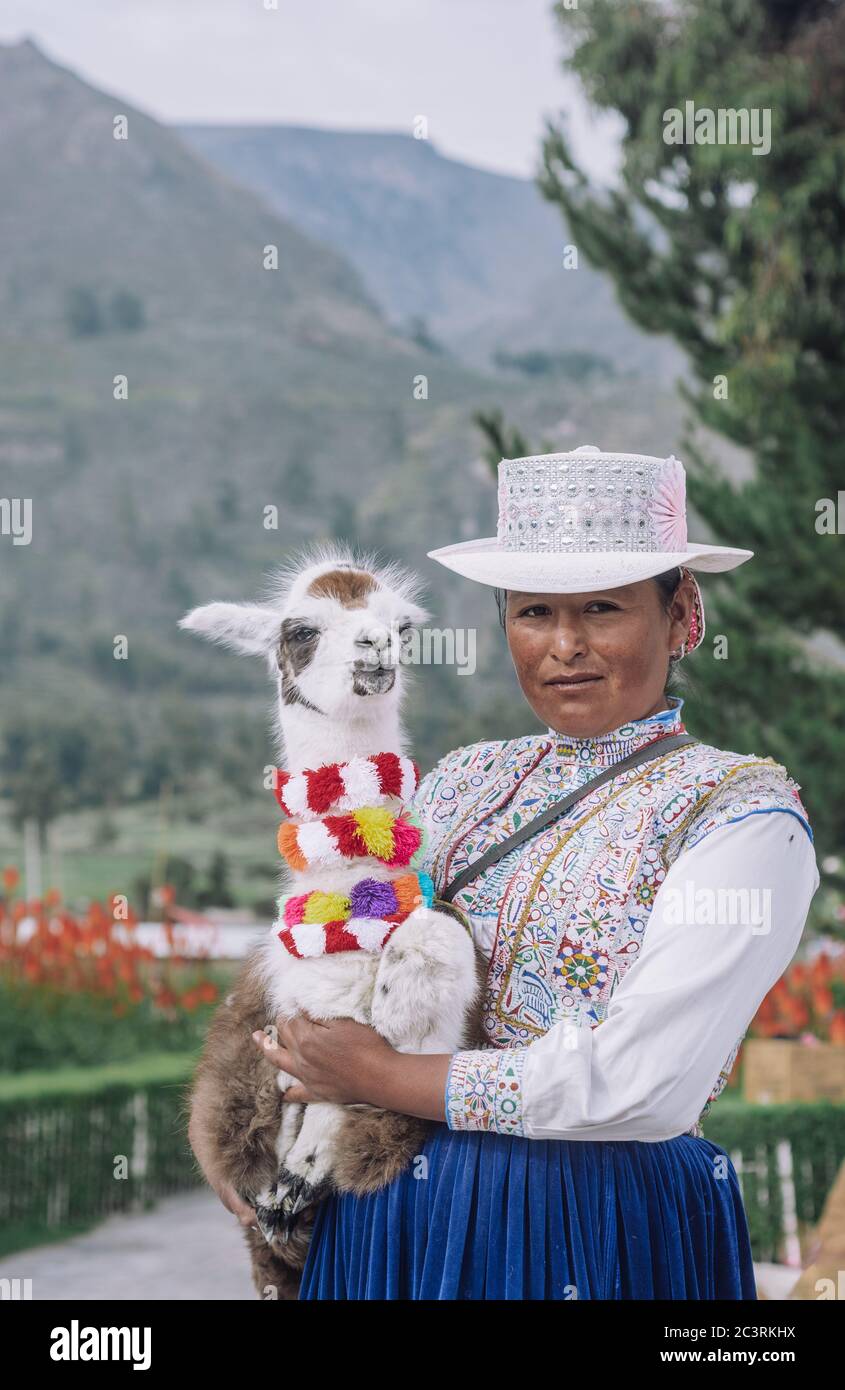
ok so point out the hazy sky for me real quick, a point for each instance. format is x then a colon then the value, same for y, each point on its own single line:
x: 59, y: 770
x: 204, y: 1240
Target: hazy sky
x: 484, y: 72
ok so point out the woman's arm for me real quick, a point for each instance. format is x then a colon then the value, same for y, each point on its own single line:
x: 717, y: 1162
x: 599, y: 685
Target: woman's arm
x: 647, y: 1070
x: 348, y: 1063
x: 726, y: 922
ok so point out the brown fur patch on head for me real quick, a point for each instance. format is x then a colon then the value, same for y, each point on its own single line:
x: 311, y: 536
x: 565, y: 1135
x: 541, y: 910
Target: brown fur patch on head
x: 350, y: 587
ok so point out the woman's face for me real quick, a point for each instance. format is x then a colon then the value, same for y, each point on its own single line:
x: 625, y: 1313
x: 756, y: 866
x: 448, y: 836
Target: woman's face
x: 618, y: 638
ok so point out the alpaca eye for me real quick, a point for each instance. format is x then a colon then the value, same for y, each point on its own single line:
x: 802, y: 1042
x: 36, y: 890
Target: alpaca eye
x: 303, y: 634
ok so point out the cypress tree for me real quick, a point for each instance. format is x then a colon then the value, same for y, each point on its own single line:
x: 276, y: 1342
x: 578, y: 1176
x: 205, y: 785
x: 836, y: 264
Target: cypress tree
x: 740, y: 256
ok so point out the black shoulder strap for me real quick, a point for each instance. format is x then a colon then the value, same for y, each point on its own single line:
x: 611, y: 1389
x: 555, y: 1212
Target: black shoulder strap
x: 658, y: 749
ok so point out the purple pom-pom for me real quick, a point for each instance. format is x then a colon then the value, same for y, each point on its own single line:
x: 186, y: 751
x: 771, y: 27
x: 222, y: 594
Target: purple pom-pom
x: 372, y: 898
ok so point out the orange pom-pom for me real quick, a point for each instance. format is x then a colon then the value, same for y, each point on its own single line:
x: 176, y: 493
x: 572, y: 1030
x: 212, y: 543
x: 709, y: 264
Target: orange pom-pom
x: 288, y: 842
x: 408, y: 894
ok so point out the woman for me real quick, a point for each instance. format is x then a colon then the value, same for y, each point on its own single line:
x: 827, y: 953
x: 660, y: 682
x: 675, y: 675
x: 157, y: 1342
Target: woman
x: 631, y: 940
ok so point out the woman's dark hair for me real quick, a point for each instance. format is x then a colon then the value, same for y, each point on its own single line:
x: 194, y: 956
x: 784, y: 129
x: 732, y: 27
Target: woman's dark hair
x: 666, y: 583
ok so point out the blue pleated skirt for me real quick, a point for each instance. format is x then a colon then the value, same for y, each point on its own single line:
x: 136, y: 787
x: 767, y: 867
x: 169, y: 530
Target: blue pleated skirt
x: 487, y: 1216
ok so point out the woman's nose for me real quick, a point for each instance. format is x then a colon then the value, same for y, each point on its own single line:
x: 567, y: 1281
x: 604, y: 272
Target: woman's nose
x: 568, y: 640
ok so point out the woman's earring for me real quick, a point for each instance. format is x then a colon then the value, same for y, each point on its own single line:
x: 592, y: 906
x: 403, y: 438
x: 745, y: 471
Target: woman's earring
x: 680, y: 653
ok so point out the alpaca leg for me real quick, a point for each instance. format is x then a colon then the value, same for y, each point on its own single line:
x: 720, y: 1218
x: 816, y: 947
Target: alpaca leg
x: 306, y: 1174
x: 424, y: 989
x: 291, y: 1117
x: 288, y: 1129
x: 426, y: 984
x: 267, y: 1201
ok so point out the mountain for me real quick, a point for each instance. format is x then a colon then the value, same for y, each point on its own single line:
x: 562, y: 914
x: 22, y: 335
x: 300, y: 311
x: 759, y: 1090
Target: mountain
x: 141, y: 214
x: 164, y: 399
x: 476, y: 256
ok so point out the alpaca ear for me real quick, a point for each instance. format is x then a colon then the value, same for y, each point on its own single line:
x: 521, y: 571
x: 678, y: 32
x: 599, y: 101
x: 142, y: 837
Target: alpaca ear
x: 245, y: 627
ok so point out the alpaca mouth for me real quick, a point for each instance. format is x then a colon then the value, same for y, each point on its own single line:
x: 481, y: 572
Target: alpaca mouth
x: 373, y: 680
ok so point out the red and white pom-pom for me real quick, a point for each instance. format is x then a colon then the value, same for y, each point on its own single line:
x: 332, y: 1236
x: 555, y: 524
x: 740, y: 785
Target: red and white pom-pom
x: 358, y: 934
x: 346, y: 786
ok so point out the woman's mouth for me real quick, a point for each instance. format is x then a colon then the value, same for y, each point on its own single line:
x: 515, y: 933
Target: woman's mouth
x: 573, y: 682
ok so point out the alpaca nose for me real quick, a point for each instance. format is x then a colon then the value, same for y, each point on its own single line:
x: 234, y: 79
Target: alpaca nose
x: 374, y: 645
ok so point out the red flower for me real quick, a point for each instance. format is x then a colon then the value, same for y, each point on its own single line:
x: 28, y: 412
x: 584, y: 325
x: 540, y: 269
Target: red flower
x: 837, y: 1028
x: 11, y: 878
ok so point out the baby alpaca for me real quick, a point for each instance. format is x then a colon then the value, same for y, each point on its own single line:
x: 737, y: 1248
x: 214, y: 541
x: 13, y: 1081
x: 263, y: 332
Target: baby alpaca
x: 359, y: 934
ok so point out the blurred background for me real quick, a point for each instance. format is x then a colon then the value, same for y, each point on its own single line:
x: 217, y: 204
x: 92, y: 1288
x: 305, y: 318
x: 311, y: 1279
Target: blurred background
x: 277, y: 274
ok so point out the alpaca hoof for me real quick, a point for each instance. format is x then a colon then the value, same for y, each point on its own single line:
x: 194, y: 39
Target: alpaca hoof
x: 289, y: 1197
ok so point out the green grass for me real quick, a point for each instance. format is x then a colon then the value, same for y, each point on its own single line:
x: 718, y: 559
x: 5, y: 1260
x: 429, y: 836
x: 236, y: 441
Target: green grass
x: 82, y: 867
x: 164, y: 1067
x: 98, y: 874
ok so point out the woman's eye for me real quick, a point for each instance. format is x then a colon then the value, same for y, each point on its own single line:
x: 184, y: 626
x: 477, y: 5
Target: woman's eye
x: 535, y: 608
x: 608, y: 607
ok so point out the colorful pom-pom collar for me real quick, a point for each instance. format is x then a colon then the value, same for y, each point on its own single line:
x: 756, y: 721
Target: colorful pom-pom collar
x: 346, y: 786
x: 317, y: 923
x: 395, y: 838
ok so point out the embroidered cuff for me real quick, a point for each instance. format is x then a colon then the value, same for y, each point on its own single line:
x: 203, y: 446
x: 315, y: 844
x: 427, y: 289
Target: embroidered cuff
x: 483, y: 1090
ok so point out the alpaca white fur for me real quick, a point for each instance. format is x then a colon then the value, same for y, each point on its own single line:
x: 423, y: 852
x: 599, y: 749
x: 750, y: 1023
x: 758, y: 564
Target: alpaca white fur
x: 336, y: 656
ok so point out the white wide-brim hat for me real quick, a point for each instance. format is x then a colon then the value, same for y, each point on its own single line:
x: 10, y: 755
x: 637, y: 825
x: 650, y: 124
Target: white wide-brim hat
x: 570, y: 523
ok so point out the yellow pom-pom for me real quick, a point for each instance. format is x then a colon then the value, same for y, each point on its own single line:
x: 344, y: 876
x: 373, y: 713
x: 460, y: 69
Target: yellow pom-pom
x: 375, y: 829
x: 326, y: 907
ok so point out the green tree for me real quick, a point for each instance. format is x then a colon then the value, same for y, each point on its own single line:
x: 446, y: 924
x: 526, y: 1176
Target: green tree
x: 126, y: 311
x: 741, y: 257
x: 179, y: 745
x: 54, y: 764
x: 298, y: 482
x: 176, y: 871
x: 217, y: 892
x: 505, y: 441
x: 82, y: 312
x: 577, y: 366
x: 419, y: 333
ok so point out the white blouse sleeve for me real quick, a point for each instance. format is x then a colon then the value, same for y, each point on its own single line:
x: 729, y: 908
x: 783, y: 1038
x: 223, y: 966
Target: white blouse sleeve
x: 725, y: 924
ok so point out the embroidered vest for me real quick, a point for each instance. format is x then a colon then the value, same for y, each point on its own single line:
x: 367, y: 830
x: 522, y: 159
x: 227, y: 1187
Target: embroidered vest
x: 564, y: 915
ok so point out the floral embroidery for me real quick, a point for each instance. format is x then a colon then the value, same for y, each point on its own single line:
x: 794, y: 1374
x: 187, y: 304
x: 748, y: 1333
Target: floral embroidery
x: 580, y: 970
x: 645, y: 893
x: 483, y: 1090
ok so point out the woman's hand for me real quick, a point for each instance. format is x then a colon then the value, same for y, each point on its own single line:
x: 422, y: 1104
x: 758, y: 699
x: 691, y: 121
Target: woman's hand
x: 339, y: 1061
x: 236, y: 1205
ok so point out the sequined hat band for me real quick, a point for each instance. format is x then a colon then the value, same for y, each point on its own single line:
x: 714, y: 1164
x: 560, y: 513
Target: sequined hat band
x: 586, y: 520
x: 591, y: 501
